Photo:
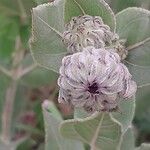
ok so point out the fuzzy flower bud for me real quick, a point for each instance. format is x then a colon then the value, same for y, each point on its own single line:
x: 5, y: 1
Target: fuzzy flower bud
x: 86, y: 31
x: 95, y: 79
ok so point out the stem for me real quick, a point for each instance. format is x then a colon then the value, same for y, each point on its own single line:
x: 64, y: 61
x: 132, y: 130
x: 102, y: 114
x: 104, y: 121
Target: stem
x: 8, y: 111
x: 5, y: 71
x: 10, y: 95
x: 22, y: 11
x: 27, y: 70
x: 18, y: 54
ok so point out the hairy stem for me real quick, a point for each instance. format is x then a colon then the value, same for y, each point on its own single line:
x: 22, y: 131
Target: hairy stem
x: 8, y: 111
x: 11, y: 92
x: 5, y: 71
x: 22, y: 11
x: 27, y: 70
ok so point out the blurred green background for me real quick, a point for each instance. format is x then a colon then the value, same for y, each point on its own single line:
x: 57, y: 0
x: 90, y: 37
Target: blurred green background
x: 37, y: 84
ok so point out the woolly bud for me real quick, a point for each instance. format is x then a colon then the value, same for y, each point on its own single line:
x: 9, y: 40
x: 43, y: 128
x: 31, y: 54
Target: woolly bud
x: 86, y: 31
x: 95, y: 79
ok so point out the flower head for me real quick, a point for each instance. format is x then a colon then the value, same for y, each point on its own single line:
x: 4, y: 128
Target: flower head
x: 94, y: 79
x: 88, y: 30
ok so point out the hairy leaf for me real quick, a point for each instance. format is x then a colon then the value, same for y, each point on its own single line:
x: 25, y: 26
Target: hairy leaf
x: 139, y: 55
x: 36, y: 76
x: 100, y: 131
x: 142, y: 113
x: 54, y: 141
x: 133, y: 25
x: 47, y: 47
x: 126, y: 114
x: 80, y: 113
x: 128, y: 141
x: 39, y: 77
x: 119, y: 5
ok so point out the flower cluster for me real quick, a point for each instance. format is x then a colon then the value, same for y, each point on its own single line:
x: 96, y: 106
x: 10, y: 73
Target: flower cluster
x: 94, y: 79
x: 93, y: 76
x: 88, y: 30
